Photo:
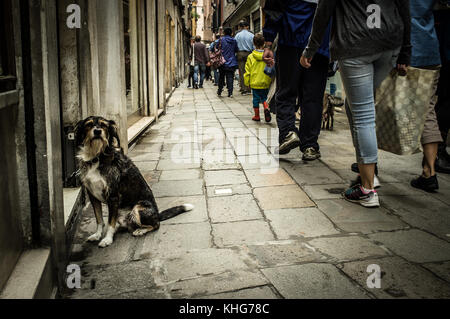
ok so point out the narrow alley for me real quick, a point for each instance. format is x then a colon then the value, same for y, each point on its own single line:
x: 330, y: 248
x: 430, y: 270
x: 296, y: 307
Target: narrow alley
x: 266, y: 226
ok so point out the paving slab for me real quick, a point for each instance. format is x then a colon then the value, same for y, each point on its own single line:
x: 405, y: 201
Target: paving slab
x: 399, y: 279
x: 313, y: 281
x: 423, y: 212
x: 226, y: 177
x: 329, y: 191
x: 355, y: 218
x: 414, y: 245
x: 193, y: 264
x: 441, y: 269
x: 278, y: 178
x: 237, y: 233
x: 282, y: 253
x: 228, y: 190
x: 215, y: 284
x: 299, y: 222
x: 172, y: 240
x: 178, y: 163
x: 101, y: 282
x: 277, y: 197
x: 264, y: 292
x: 146, y: 166
x: 347, y: 248
x: 177, y: 188
x: 305, y: 175
x: 180, y: 175
x: 235, y: 208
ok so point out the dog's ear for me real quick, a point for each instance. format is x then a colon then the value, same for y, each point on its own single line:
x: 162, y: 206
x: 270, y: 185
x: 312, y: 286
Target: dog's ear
x: 113, y: 131
x: 79, y: 132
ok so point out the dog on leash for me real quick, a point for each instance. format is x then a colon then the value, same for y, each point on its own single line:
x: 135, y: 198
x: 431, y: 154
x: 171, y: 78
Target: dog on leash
x: 110, y: 177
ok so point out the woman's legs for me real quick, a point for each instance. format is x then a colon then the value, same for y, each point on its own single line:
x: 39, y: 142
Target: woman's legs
x: 361, y: 77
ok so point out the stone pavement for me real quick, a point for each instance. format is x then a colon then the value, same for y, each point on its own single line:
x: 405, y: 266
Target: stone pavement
x: 263, y: 227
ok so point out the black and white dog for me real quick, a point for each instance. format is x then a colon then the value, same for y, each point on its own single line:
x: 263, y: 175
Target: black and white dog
x: 110, y: 177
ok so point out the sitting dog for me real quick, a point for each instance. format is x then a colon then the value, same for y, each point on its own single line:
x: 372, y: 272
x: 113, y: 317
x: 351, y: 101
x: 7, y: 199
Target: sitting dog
x: 110, y: 177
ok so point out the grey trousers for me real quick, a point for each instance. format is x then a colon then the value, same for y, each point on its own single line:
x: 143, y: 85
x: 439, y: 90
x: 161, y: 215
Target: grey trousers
x: 242, y: 59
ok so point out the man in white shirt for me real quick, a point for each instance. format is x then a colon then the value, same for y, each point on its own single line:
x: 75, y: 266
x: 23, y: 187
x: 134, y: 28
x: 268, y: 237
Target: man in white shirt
x: 244, y: 41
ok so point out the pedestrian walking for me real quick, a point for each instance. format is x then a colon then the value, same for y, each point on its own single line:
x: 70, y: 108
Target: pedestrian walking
x: 442, y: 19
x: 292, y: 23
x: 257, y: 80
x: 426, y: 55
x: 368, y: 41
x: 226, y: 72
x: 211, y: 49
x: 191, y: 64
x: 201, y: 58
x: 244, y: 41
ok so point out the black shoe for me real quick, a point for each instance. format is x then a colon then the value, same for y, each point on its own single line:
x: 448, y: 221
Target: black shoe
x: 201, y: 86
x: 355, y: 168
x: 230, y: 95
x: 442, y: 164
x: 311, y: 154
x: 290, y: 142
x: 196, y: 87
x: 429, y: 184
x: 219, y: 94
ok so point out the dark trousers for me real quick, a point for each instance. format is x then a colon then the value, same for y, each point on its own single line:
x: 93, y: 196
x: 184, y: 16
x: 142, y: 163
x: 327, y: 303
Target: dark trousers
x: 191, y: 75
x: 227, y: 74
x: 308, y: 85
x: 242, y: 60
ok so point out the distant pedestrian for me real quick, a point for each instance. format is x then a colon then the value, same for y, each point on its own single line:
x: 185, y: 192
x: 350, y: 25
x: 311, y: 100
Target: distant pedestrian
x: 201, y: 57
x: 211, y: 49
x: 296, y: 84
x: 226, y: 72
x: 191, y: 64
x: 257, y: 80
x: 367, y: 50
x: 244, y: 41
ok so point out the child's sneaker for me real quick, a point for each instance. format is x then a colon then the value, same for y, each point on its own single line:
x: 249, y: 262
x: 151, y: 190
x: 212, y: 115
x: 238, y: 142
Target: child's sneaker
x: 267, y: 115
x: 356, y: 194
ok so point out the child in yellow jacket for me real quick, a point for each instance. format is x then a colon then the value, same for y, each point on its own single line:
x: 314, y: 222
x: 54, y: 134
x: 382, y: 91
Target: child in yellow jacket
x: 256, y: 79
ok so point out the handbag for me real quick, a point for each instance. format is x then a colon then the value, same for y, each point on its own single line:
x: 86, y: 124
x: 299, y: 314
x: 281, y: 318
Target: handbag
x: 216, y: 57
x: 402, y: 104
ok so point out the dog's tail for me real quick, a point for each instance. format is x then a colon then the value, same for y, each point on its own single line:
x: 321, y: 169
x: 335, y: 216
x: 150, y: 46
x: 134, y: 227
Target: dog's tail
x: 175, y: 211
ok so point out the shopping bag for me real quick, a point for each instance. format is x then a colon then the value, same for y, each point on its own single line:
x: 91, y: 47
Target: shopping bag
x: 216, y: 57
x: 402, y: 103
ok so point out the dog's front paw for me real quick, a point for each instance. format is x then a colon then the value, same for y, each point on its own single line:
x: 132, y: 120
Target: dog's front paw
x: 94, y: 237
x: 107, y: 241
x: 140, y: 232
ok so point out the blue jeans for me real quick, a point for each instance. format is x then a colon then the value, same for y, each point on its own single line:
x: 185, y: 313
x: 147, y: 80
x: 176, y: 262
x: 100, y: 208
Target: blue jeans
x: 202, y: 69
x: 259, y: 96
x: 216, y: 76
x: 361, y: 76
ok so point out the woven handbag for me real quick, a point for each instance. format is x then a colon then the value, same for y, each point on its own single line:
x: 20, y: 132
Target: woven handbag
x: 216, y: 57
x: 402, y: 104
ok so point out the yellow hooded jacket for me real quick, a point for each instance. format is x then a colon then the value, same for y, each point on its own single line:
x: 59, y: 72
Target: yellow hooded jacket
x: 254, y: 76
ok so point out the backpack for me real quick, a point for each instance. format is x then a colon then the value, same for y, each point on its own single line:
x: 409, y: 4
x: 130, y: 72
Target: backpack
x: 216, y: 57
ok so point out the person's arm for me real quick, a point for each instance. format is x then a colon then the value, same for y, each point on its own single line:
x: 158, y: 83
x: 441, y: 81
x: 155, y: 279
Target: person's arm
x: 403, y: 8
x: 248, y: 67
x: 324, y: 12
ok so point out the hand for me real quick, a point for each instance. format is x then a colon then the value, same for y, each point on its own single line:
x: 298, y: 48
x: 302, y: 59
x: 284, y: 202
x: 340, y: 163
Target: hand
x: 268, y: 57
x: 402, y: 69
x: 305, y: 62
